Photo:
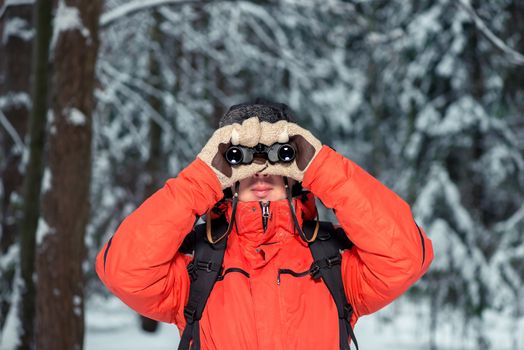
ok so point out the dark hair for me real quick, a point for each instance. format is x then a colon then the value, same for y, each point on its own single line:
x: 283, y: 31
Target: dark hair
x: 263, y: 109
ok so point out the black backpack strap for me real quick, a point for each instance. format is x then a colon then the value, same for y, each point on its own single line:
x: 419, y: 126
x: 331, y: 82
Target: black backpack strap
x: 203, y: 271
x: 326, y: 265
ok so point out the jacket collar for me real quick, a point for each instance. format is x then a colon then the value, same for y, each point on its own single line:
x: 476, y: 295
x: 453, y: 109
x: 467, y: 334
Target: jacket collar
x: 249, y: 223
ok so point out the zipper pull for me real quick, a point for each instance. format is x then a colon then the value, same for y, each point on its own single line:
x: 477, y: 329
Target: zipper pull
x: 265, y: 214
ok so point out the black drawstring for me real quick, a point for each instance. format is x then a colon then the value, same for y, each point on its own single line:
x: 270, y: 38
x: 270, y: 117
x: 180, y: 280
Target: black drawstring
x: 210, y: 237
x: 292, y: 209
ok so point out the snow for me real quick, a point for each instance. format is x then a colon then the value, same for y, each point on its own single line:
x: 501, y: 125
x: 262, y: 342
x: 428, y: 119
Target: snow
x: 43, y: 230
x: 46, y: 181
x: 75, y: 117
x: 15, y: 99
x: 10, y: 257
x: 51, y: 121
x: 130, y: 8
x: 427, y: 119
x: 514, y: 56
x: 111, y: 325
x: 517, y: 217
x: 424, y: 25
x: 463, y: 114
x: 67, y: 18
x: 498, y: 164
x: 77, y: 305
x: 19, y: 145
x: 8, y: 3
x: 17, y: 27
x: 9, y: 338
x: 445, y: 67
x: 403, y: 325
x: 413, y: 146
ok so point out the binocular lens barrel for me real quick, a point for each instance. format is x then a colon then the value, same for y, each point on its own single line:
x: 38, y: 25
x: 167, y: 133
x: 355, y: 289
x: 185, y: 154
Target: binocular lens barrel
x: 234, y: 155
x: 286, y: 153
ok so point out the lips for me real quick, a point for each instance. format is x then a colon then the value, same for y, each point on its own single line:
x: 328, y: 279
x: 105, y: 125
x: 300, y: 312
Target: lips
x: 261, y: 190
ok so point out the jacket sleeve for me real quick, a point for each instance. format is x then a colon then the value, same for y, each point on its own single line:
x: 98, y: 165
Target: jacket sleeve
x: 140, y: 263
x: 391, y: 252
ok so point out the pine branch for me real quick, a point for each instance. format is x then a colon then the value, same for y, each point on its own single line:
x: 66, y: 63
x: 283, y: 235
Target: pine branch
x: 514, y: 57
x: 108, y: 18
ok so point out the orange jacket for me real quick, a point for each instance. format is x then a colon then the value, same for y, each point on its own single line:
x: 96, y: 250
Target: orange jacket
x: 141, y: 265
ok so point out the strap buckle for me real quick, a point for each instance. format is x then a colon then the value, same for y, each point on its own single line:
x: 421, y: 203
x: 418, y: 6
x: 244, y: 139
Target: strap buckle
x: 314, y: 271
x: 192, y: 271
x: 332, y: 261
x: 205, y: 266
x: 220, y: 276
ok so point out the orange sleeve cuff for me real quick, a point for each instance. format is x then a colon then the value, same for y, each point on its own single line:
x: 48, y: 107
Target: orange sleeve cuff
x: 312, y: 171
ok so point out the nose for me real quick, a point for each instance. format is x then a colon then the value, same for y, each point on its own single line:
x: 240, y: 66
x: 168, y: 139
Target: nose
x: 257, y: 175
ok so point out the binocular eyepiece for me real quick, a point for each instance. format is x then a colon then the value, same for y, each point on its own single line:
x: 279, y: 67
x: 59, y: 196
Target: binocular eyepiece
x: 277, y: 152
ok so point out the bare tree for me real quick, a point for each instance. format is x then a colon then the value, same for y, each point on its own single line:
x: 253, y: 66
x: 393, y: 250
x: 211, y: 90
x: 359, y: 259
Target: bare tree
x: 65, y: 210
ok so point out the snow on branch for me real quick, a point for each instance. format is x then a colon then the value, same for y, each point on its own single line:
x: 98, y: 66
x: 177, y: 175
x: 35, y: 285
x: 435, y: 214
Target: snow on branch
x: 17, y: 27
x: 20, y: 99
x: 514, y: 56
x: 121, y: 80
x: 132, y: 7
x: 8, y: 3
x: 19, y: 145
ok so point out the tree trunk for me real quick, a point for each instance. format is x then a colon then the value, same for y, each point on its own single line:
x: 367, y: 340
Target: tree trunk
x: 33, y: 178
x: 15, y: 104
x: 154, y: 165
x: 65, y: 210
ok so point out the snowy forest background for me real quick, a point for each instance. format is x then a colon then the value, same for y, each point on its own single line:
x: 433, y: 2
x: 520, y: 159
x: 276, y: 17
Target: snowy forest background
x: 102, y: 101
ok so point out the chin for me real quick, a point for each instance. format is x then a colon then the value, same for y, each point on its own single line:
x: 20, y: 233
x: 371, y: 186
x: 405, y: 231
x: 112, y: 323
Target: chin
x: 250, y: 197
x: 253, y: 198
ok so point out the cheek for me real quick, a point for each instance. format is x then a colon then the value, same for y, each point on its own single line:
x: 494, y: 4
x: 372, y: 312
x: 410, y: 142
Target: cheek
x: 278, y: 193
x: 244, y: 194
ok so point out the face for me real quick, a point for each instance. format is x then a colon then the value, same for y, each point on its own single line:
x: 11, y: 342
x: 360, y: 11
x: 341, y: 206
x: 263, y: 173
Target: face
x: 262, y: 187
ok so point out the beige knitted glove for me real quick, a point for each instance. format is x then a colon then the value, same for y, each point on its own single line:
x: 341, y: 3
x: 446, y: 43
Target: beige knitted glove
x: 247, y: 134
x: 306, y: 145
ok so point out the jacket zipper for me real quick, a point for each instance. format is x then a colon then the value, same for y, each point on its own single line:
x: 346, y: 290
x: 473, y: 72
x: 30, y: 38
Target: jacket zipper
x: 265, y: 214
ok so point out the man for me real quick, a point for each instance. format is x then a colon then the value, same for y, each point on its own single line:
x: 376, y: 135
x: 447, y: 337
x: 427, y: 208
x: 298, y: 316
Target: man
x: 267, y: 294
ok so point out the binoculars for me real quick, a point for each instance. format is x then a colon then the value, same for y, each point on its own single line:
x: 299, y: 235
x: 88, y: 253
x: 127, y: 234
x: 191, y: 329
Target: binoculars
x: 277, y: 152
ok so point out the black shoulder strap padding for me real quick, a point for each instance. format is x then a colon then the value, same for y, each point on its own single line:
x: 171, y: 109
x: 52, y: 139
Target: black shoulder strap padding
x: 327, y: 262
x: 203, y: 272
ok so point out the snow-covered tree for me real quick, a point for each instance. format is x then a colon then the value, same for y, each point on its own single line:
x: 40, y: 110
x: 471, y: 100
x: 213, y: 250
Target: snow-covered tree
x: 66, y: 206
